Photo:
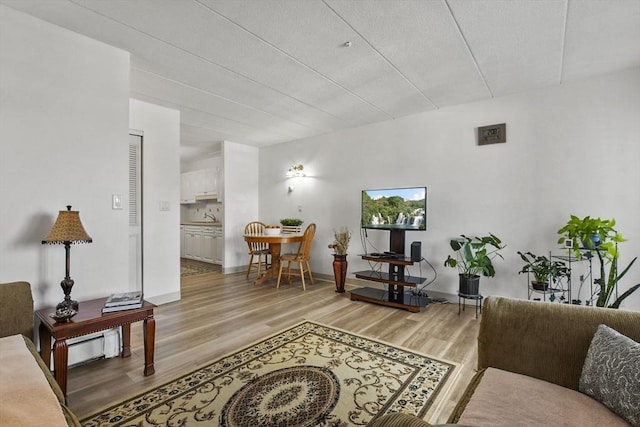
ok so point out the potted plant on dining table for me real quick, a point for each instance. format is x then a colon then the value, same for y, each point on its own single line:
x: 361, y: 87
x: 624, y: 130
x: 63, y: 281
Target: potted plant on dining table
x: 340, y: 245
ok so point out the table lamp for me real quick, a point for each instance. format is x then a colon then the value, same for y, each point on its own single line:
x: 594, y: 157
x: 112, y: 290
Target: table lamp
x: 67, y: 230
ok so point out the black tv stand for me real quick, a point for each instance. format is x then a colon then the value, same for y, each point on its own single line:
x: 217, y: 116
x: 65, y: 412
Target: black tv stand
x: 395, y: 296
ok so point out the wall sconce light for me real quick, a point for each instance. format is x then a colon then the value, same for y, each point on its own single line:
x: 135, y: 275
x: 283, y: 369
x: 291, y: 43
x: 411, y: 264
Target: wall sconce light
x: 296, y: 171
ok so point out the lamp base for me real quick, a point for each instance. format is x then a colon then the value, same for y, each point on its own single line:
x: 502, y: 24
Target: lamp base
x: 67, y: 304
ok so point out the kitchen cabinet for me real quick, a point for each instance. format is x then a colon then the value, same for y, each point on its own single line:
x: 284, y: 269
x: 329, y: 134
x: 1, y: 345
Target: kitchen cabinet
x: 182, y: 241
x: 203, y: 243
x: 219, y: 248
x: 200, y: 184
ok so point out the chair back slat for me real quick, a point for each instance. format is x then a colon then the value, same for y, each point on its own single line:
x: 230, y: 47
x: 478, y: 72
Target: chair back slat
x: 256, y: 227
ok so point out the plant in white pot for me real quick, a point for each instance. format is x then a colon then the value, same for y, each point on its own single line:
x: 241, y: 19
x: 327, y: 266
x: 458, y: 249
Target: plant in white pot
x: 474, y: 257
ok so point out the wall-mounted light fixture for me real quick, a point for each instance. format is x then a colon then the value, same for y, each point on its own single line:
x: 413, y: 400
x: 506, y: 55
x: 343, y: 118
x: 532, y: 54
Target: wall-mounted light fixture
x: 296, y: 171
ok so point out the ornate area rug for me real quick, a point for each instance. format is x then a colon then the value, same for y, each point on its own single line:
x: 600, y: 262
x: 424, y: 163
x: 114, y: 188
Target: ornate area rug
x: 190, y: 267
x: 309, y: 375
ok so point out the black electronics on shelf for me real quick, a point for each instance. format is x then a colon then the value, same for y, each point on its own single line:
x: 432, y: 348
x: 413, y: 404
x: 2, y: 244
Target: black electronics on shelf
x: 396, y: 295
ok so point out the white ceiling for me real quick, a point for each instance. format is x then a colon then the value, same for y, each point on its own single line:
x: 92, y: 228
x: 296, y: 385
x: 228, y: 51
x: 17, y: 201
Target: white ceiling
x: 262, y: 72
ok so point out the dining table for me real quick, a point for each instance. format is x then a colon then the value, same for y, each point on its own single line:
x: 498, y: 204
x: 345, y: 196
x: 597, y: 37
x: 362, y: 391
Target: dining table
x: 275, y: 242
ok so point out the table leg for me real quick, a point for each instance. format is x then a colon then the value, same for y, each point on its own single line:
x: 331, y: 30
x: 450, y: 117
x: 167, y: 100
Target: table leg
x: 126, y: 340
x: 45, y: 344
x: 60, y: 359
x: 149, y: 330
x: 272, y: 271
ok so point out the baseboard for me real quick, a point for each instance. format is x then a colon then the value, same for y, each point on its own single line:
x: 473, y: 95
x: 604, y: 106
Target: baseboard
x: 164, y: 299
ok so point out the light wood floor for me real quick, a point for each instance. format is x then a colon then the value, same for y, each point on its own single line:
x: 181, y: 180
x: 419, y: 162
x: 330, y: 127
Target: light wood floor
x: 220, y: 314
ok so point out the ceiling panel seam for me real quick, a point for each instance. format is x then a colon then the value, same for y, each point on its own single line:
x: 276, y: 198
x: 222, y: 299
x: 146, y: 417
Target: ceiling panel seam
x: 296, y: 60
x: 315, y: 107
x: 207, y: 113
x: 384, y: 58
x: 206, y: 92
x: 466, y: 44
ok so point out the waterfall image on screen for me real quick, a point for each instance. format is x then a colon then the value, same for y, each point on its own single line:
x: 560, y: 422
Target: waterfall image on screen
x: 395, y: 208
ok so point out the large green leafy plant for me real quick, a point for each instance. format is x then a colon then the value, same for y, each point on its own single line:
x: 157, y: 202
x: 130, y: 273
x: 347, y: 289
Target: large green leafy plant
x: 474, y: 255
x: 599, y: 236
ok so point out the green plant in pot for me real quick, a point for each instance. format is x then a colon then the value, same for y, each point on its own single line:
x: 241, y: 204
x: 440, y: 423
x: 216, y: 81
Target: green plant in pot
x: 544, y: 270
x: 474, y: 257
x: 599, y: 235
x: 291, y: 222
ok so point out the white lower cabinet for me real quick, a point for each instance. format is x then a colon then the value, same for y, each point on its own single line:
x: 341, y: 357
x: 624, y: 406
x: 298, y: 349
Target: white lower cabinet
x: 202, y: 243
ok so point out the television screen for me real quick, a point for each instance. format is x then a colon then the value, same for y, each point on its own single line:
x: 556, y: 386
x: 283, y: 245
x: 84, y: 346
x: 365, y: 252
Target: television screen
x: 395, y: 208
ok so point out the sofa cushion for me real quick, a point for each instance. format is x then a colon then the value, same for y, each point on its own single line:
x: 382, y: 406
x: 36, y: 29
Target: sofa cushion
x: 611, y: 373
x: 506, y: 399
x: 26, y: 397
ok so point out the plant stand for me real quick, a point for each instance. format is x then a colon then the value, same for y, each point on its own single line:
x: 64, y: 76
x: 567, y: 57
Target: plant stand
x: 340, y: 265
x: 464, y: 297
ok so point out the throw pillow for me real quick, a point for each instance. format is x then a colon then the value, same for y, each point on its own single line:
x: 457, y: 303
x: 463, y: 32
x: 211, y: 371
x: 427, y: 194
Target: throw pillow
x: 611, y: 373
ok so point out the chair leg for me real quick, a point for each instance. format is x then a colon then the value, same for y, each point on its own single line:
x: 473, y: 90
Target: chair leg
x: 304, y: 288
x: 250, y: 264
x: 309, y: 271
x: 279, y: 274
x: 259, y: 264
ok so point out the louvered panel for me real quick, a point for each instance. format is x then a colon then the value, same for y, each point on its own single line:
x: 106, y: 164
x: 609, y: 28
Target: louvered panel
x: 134, y: 181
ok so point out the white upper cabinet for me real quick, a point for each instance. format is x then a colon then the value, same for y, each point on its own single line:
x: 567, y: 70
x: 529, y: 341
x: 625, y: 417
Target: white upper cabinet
x: 201, y: 184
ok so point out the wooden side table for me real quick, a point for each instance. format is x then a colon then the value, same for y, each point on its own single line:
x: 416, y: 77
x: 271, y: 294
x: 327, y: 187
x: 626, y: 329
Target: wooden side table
x: 89, y: 320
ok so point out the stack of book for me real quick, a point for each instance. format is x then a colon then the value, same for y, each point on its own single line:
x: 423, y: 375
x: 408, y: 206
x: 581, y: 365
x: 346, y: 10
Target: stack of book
x: 123, y: 301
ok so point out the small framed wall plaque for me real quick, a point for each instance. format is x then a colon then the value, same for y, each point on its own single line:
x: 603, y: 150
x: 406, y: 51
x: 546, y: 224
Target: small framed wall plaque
x: 492, y: 134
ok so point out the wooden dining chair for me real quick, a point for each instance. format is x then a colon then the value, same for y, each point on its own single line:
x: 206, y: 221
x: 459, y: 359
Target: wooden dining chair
x: 257, y: 249
x: 302, y: 257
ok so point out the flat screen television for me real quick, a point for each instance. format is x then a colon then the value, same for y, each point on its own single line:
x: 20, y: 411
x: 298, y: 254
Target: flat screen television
x: 395, y: 209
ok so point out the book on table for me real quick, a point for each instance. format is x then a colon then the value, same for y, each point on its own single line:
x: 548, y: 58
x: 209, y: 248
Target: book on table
x: 115, y: 308
x: 125, y: 298
x: 123, y: 301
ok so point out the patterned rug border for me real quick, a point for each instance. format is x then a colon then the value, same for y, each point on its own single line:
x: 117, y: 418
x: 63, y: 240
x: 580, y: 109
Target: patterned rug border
x: 448, y: 378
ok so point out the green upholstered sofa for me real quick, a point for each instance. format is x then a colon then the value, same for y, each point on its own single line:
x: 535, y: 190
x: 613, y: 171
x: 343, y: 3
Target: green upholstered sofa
x: 16, y: 318
x: 530, y: 359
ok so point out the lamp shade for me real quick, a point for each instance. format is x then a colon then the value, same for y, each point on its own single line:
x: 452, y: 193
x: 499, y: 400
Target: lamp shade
x: 67, y: 228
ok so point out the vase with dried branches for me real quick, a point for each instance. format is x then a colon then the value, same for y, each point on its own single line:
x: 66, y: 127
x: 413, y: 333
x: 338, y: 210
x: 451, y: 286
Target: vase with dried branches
x: 340, y: 245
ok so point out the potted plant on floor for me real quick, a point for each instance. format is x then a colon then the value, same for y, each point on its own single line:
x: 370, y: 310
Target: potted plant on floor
x: 474, y: 257
x: 545, y: 271
x: 598, y: 235
x: 340, y: 245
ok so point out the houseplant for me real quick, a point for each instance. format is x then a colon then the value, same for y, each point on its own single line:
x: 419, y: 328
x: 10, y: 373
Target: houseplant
x: 544, y: 270
x: 291, y: 222
x: 340, y: 245
x: 599, y: 235
x: 474, y: 257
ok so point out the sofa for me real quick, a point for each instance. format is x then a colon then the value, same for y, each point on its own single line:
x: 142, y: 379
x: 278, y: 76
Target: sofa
x: 540, y: 363
x: 29, y: 395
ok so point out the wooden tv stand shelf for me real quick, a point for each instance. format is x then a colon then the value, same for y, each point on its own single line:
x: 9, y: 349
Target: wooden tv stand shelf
x: 395, y: 278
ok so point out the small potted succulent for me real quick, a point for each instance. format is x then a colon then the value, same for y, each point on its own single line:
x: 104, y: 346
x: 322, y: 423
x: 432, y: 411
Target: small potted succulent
x: 544, y: 270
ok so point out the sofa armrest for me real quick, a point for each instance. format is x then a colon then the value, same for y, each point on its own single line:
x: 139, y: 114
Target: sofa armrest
x: 548, y: 341
x: 16, y: 309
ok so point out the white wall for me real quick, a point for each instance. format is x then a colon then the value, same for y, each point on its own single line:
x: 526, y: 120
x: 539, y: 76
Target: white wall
x: 240, y: 201
x: 161, y: 183
x: 571, y: 149
x: 64, y: 125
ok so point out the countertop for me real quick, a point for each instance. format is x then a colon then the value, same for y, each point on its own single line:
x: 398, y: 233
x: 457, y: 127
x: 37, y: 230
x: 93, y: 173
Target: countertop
x: 203, y: 223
